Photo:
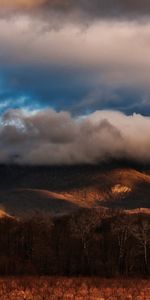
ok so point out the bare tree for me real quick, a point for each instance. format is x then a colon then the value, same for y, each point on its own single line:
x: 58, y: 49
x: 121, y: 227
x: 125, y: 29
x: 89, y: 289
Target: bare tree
x: 141, y: 231
x: 83, y: 227
x: 121, y: 229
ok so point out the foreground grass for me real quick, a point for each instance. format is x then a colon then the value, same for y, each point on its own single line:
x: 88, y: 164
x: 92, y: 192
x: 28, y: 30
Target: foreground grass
x: 55, y: 288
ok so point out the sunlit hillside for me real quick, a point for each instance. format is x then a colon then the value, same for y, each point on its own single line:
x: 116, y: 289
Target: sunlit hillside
x: 60, y: 191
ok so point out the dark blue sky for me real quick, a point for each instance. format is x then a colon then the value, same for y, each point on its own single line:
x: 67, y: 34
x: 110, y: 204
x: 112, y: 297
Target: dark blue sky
x: 67, y: 89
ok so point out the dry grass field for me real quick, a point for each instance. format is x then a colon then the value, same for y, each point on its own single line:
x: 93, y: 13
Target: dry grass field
x: 44, y: 288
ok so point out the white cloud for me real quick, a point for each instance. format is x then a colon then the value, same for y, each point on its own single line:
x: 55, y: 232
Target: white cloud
x: 116, y: 52
x: 48, y: 137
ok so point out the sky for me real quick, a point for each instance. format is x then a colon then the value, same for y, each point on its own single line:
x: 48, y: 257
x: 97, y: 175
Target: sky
x: 68, y: 62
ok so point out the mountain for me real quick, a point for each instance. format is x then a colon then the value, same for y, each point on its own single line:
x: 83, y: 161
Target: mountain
x: 62, y: 190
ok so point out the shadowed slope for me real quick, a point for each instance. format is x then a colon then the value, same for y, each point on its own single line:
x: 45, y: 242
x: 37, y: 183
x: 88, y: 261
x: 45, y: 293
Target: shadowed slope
x: 62, y: 190
x: 25, y: 202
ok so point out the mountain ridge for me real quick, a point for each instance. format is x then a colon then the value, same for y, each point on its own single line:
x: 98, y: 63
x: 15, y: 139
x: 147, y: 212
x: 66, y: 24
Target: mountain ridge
x: 63, y: 190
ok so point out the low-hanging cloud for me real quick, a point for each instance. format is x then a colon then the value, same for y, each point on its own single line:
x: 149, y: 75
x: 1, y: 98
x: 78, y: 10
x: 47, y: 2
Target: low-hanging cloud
x: 54, y: 138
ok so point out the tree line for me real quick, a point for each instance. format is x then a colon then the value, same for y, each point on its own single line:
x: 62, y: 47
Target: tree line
x: 90, y: 242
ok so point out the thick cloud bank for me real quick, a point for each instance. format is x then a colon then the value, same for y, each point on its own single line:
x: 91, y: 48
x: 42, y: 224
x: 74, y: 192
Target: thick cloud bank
x: 47, y: 137
x: 91, y: 9
x: 47, y: 59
